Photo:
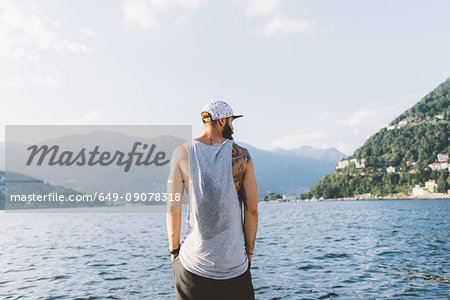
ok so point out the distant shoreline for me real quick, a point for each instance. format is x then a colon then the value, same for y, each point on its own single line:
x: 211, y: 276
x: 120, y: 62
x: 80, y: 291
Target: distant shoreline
x: 446, y: 197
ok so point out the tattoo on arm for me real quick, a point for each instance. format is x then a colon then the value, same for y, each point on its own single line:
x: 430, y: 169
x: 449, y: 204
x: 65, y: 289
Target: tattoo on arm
x: 241, y: 158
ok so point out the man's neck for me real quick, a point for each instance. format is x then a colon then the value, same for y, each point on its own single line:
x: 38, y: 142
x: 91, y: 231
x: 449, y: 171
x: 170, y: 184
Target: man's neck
x: 211, y: 138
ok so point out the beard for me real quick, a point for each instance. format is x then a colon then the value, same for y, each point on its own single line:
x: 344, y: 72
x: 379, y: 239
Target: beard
x: 227, y: 132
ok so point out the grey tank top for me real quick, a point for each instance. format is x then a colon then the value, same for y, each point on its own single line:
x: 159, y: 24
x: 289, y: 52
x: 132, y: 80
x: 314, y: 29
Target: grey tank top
x: 214, y: 243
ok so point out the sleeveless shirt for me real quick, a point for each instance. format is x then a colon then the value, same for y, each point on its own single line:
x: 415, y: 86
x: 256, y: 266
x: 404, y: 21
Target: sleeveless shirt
x: 214, y: 243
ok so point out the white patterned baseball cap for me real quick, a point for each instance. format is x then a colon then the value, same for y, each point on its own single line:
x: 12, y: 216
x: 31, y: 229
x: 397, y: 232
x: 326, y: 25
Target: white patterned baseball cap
x: 219, y: 110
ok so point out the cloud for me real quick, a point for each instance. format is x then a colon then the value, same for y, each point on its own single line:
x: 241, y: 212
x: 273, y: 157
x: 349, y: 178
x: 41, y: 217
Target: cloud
x: 18, y: 82
x: 317, y: 137
x: 138, y: 13
x: 259, y: 7
x: 262, y: 7
x: 350, y: 131
x: 323, y: 116
x: 45, y: 82
x: 275, y: 23
x: 86, y: 119
x: 282, y: 25
x: 86, y: 34
x: 173, y: 4
x: 143, y: 13
x: 378, y: 115
x: 13, y: 82
x: 25, y: 32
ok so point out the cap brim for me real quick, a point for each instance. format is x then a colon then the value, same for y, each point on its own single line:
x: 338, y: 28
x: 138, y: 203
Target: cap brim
x: 238, y: 116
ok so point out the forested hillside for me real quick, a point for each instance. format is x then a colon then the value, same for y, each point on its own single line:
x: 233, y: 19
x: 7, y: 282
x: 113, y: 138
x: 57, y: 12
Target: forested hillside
x: 410, y: 151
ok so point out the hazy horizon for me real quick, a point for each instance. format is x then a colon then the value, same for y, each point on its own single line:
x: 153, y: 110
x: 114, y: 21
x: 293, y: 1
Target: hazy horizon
x: 303, y: 73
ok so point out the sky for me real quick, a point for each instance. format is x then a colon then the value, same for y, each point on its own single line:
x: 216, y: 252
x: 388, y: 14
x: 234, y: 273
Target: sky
x: 317, y: 73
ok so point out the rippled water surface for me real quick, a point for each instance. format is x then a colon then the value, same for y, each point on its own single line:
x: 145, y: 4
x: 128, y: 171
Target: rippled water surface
x: 393, y: 249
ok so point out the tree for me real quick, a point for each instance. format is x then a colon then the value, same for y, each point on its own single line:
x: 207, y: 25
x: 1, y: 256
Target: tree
x: 442, y: 182
x: 419, y: 143
x: 274, y: 196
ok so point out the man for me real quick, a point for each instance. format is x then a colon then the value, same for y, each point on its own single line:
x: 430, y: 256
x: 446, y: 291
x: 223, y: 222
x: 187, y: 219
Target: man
x: 213, y: 260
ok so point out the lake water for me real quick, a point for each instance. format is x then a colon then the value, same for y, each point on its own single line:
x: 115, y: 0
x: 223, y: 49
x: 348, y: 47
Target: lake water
x: 393, y: 249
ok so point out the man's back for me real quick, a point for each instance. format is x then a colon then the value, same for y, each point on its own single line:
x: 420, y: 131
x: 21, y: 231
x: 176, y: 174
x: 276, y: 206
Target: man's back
x: 213, y: 261
x: 214, y: 244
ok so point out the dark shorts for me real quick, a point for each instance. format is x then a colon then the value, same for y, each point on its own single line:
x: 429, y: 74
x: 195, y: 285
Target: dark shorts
x: 189, y: 286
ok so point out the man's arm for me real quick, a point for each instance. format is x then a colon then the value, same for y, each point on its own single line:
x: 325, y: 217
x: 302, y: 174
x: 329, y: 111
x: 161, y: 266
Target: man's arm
x: 175, y: 188
x: 250, y: 208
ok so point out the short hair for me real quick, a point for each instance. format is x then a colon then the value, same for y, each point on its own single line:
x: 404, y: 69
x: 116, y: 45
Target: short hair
x: 206, y: 118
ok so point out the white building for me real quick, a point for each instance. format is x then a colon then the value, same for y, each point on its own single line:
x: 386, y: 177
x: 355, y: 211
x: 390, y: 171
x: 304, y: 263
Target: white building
x: 410, y: 164
x: 419, y: 191
x: 390, y: 127
x: 438, y: 166
x: 431, y: 185
x: 342, y: 164
x: 402, y: 124
x: 441, y: 157
x: 288, y: 197
x: 359, y: 163
x: 363, y: 196
x: 390, y: 169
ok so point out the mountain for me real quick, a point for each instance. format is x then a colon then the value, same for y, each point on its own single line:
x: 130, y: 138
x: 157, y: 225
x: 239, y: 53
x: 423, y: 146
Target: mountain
x: 410, y: 151
x: 280, y: 171
x: 112, y: 178
x: 2, y: 155
x: 329, y: 154
x: 2, y: 190
x: 286, y: 171
x: 89, y: 179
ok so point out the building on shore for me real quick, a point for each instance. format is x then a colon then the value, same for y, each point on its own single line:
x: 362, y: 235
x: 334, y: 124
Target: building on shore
x: 402, y: 124
x: 431, y: 185
x: 442, y: 157
x: 439, y: 166
x: 364, y: 196
x: 391, y: 127
x: 287, y: 197
x: 419, y: 191
x: 390, y: 169
x: 359, y: 163
x: 410, y: 164
x: 342, y: 164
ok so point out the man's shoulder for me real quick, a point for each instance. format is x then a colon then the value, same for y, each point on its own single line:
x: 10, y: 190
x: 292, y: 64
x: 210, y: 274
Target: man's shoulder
x: 180, y: 153
x: 239, y: 151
